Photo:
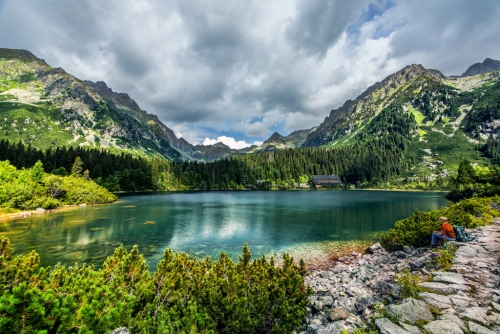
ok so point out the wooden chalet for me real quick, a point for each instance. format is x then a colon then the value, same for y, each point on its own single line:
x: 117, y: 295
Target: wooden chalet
x: 321, y: 180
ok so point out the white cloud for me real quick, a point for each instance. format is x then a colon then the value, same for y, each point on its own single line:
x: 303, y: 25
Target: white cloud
x: 230, y: 141
x: 212, y: 66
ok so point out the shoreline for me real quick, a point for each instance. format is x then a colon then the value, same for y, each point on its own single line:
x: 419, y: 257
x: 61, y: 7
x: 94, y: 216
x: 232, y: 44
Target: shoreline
x: 39, y: 211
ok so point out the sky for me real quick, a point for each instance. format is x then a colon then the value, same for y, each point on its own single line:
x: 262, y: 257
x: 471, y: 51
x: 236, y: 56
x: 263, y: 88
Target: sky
x: 237, y: 71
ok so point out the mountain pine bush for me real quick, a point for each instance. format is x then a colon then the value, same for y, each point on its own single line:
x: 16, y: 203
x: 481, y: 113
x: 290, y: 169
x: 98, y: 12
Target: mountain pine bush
x: 183, y: 295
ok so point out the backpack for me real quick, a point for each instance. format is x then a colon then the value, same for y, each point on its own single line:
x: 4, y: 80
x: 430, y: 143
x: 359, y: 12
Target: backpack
x: 461, y: 235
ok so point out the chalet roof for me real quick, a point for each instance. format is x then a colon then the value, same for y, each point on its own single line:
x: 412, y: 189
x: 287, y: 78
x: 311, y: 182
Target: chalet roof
x: 326, y: 177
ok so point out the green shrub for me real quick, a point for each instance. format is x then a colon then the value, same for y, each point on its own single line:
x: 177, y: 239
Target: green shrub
x: 29, y: 189
x: 184, y: 295
x: 417, y: 229
x: 409, y: 284
x: 445, y: 256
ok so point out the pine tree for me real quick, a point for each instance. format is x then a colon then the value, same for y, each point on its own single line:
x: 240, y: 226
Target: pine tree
x: 77, y: 168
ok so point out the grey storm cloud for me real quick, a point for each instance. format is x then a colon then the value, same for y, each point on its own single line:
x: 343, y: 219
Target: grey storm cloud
x: 319, y: 24
x: 222, y: 65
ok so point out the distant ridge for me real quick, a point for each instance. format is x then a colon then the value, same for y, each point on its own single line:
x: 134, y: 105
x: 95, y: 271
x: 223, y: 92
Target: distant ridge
x: 487, y: 65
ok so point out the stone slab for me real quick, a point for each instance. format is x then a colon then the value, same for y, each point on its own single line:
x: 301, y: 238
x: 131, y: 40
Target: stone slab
x: 478, y: 314
x: 478, y: 329
x: 443, y: 327
x: 438, y: 301
x: 411, y: 310
x: 385, y: 326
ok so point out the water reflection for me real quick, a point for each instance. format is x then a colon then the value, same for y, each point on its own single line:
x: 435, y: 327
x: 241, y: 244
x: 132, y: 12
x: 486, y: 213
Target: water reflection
x: 204, y: 223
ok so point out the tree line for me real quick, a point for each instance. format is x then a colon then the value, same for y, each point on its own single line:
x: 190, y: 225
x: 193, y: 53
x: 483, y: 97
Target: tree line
x: 372, y: 160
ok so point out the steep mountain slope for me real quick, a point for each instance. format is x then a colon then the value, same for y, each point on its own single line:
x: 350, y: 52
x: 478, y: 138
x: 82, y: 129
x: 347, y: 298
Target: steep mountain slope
x: 44, y: 107
x: 351, y: 116
x: 487, y: 65
x: 446, y: 118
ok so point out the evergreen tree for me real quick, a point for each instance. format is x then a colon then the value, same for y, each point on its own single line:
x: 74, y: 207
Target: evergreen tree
x: 77, y: 168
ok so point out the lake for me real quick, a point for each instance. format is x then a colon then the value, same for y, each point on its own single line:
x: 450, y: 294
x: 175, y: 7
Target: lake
x: 202, y: 224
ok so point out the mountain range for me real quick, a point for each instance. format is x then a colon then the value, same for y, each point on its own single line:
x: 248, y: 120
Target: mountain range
x: 44, y: 107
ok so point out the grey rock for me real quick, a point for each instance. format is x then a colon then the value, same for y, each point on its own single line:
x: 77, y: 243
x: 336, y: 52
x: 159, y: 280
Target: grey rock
x: 362, y: 303
x: 385, y: 326
x: 407, y: 250
x: 462, y: 302
x: 411, y: 310
x: 496, y: 306
x: 443, y: 327
x: 338, y: 314
x: 419, y: 263
x: 477, y: 314
x: 478, y: 329
x: 333, y: 328
x: 376, y: 247
x: 453, y: 318
x: 460, y: 287
x: 324, y: 274
x: 410, y: 328
x: 396, y: 290
x: 494, y: 318
x: 402, y: 255
x: 317, y: 305
x: 327, y: 300
x: 120, y: 330
x: 383, y: 287
x: 438, y: 301
x: 451, y: 278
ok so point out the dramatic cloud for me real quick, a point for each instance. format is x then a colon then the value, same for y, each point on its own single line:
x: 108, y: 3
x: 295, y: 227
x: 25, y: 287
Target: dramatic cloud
x: 242, y: 70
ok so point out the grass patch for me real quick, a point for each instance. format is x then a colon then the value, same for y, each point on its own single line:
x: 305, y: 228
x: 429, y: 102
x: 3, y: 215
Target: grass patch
x: 419, y: 117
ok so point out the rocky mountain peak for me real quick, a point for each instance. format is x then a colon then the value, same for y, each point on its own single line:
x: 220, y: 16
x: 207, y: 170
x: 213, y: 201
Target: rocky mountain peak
x: 487, y: 65
x: 121, y: 98
x: 341, y: 121
x: 275, y: 138
x: 221, y: 145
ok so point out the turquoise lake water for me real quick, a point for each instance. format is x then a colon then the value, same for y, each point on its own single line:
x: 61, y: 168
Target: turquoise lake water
x: 204, y: 223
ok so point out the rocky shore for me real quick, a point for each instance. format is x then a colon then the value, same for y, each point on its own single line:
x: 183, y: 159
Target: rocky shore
x: 362, y: 292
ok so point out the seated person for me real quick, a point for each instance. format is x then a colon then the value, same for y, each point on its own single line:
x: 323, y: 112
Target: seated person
x: 446, y: 233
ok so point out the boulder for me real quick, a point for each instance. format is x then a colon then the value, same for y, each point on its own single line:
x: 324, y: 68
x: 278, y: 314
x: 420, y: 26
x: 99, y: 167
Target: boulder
x: 376, y: 247
x: 478, y: 329
x: 443, y: 327
x: 418, y: 263
x: 385, y: 326
x: 495, y: 306
x: 411, y: 310
x: 338, y: 314
x: 410, y: 328
x: 362, y: 303
x: 438, y: 301
x: 453, y: 318
x: 407, y: 250
x: 447, y: 277
x: 478, y: 314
